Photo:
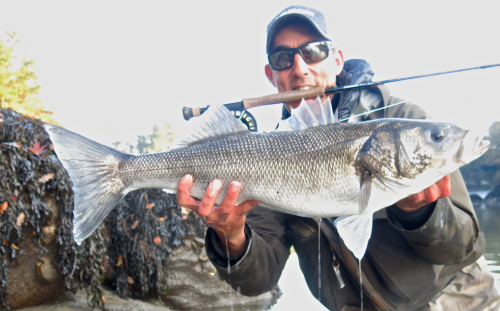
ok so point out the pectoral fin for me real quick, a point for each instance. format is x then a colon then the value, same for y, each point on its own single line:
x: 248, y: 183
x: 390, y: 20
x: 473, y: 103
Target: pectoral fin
x: 356, y: 231
x: 365, y: 190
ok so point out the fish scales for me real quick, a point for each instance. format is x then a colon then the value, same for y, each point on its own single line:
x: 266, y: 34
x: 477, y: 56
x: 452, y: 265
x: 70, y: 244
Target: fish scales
x: 284, y: 169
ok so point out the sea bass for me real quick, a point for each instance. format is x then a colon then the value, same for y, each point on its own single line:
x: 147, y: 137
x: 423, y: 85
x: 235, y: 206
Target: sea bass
x: 312, y: 167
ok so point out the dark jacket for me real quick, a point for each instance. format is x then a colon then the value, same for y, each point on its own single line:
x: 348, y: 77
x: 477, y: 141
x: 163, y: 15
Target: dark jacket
x: 410, y: 258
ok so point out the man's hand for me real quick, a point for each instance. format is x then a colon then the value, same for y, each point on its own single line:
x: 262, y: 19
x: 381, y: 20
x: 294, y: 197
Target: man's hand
x: 227, y: 220
x: 441, y: 189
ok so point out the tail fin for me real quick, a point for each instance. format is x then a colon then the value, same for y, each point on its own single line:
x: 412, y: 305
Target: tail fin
x: 356, y: 231
x: 93, y: 169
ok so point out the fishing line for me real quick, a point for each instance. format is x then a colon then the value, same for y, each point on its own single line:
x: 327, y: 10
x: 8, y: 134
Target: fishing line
x: 368, y: 112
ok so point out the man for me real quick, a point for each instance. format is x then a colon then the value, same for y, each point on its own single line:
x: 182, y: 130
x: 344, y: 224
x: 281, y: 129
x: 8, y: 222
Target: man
x: 423, y: 250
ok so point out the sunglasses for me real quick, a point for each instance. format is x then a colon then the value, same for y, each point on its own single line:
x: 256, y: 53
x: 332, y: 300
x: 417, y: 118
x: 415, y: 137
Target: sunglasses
x: 312, y: 52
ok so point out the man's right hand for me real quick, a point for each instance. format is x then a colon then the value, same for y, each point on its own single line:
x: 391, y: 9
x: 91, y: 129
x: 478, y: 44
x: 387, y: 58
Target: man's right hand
x: 228, y: 220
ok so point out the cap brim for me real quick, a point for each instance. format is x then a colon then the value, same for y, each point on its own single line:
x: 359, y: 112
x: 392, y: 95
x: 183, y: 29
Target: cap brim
x: 287, y: 19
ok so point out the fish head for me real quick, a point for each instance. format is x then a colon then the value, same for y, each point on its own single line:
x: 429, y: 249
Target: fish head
x: 405, y: 151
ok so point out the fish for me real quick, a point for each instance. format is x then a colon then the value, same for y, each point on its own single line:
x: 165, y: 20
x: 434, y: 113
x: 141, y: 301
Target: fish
x: 312, y: 166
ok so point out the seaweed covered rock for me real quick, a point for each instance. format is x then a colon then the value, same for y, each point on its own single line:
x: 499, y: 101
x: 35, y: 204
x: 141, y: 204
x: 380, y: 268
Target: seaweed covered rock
x: 143, y: 230
x: 156, y: 250
x: 38, y: 258
x: 148, y: 247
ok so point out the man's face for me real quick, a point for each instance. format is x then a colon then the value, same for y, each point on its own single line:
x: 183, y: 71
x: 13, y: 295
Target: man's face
x: 303, y: 75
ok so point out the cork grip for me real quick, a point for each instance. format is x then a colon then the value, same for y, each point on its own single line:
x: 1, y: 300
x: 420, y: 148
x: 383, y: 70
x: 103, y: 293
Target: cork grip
x: 283, y: 97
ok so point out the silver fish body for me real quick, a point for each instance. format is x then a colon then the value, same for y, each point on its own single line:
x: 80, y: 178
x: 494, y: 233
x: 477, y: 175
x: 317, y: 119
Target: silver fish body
x: 315, y: 172
x: 310, y: 172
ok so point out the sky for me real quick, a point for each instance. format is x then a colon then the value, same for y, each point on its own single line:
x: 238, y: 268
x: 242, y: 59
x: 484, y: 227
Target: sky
x: 110, y: 70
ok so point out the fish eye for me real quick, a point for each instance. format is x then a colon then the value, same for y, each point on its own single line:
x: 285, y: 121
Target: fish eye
x: 437, y: 135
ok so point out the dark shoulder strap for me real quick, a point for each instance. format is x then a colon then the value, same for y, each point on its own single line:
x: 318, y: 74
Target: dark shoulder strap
x: 352, y: 265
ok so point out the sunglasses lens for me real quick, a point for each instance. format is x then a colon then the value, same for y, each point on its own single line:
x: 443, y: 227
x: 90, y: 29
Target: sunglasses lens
x: 314, y: 52
x: 281, y: 60
x: 311, y: 53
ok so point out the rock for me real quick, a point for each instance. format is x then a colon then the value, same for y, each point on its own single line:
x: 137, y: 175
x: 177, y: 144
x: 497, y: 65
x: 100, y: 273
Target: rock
x: 46, y: 270
x: 78, y: 302
x: 475, y: 199
x: 49, y: 234
x: 193, y: 283
x: 493, y: 196
x: 25, y: 286
x: 52, y: 206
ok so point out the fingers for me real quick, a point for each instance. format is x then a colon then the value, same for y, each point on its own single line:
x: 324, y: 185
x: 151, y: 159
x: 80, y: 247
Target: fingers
x: 208, y: 201
x: 228, y: 206
x: 440, y: 189
x: 183, y: 193
x: 228, y: 209
x: 230, y: 199
x: 444, y: 185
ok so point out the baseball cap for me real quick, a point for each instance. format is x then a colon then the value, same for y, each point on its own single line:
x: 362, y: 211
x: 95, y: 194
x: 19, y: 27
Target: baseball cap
x: 296, y: 13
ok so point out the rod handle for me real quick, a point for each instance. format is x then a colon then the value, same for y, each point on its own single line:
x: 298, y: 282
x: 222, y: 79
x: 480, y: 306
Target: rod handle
x: 283, y: 97
x: 188, y: 113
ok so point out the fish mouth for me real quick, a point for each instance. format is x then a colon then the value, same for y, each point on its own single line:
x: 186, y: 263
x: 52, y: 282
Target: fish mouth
x: 472, y: 147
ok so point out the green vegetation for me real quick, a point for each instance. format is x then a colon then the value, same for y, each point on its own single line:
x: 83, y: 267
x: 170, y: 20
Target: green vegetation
x: 159, y: 140
x: 18, y: 83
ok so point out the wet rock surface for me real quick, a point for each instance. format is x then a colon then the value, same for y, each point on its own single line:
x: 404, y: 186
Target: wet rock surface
x: 78, y: 302
x: 28, y: 284
x: 193, y: 283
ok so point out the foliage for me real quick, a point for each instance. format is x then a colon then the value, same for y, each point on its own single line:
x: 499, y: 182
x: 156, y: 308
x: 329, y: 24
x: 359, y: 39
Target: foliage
x: 159, y: 140
x: 487, y: 167
x: 18, y: 84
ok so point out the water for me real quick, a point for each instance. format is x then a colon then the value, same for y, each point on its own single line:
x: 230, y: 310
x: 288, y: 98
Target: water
x: 489, y: 221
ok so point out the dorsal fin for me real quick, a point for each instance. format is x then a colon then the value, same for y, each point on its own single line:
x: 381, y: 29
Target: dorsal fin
x: 216, y: 121
x: 309, y: 115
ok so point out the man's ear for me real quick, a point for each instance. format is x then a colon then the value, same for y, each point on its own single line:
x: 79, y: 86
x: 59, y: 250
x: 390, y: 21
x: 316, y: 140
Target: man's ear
x: 269, y: 74
x: 339, y: 59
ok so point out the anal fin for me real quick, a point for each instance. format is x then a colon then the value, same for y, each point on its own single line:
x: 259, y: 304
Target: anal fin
x: 355, y: 231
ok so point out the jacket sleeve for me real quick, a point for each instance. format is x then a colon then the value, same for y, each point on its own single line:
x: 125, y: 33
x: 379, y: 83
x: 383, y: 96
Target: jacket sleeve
x: 259, y: 268
x: 451, y: 231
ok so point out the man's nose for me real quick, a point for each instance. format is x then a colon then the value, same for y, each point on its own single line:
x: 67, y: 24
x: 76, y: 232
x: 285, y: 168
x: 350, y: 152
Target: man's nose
x: 300, y: 67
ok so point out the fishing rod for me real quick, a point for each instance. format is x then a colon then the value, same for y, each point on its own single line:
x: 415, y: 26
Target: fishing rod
x: 240, y: 108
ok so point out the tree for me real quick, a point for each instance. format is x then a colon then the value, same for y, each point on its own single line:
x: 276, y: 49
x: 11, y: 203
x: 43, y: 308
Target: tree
x: 159, y: 140
x: 18, y: 84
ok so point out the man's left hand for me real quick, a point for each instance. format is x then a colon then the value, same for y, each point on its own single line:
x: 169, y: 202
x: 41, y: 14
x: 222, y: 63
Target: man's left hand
x: 441, y: 189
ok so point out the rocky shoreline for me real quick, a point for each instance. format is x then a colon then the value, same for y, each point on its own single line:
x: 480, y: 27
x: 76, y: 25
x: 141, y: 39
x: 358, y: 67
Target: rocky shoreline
x: 78, y: 302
